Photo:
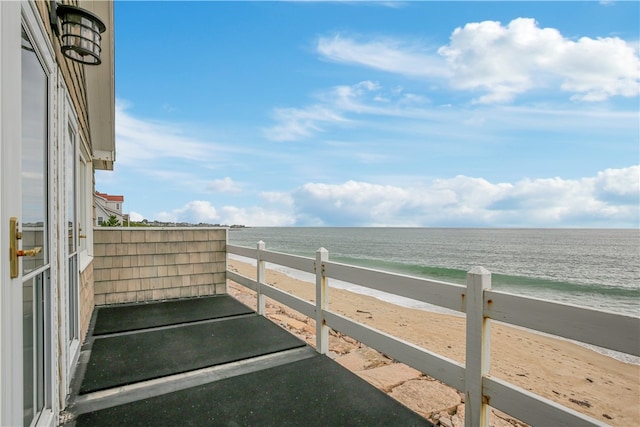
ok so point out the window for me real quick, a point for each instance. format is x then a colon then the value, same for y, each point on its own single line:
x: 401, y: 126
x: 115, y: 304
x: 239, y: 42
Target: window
x: 71, y: 185
x: 36, y: 322
x: 85, y: 200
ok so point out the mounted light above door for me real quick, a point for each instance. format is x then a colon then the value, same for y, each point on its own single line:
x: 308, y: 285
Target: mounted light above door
x: 80, y: 33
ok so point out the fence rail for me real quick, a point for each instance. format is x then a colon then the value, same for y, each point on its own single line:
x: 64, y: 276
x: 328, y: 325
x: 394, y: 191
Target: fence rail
x: 481, y: 305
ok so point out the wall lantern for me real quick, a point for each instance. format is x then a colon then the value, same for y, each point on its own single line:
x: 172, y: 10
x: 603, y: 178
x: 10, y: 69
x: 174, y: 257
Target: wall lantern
x: 80, y: 34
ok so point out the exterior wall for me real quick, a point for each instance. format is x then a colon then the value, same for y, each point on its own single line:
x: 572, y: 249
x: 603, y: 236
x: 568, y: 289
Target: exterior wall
x: 72, y: 72
x: 101, y: 214
x: 149, y: 264
x: 86, y: 297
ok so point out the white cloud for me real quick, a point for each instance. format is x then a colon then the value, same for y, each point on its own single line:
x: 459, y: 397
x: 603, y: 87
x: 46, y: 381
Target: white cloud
x: 224, y: 185
x: 195, y: 212
x: 388, y: 54
x: 394, y: 4
x: 352, y: 202
x: 140, y: 141
x: 508, y: 60
x: 369, y: 97
x: 277, y: 198
x: 596, y: 70
x: 370, y: 158
x: 367, y: 106
x: 609, y: 199
x: 503, y: 61
x: 200, y: 211
x: 135, y: 216
x: 492, y: 62
x: 366, y: 204
x: 168, y: 175
x: 256, y: 216
x: 338, y: 107
x: 620, y: 182
x: 295, y: 123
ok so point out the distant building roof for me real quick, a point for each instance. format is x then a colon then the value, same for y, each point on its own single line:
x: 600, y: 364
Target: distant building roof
x: 109, y: 197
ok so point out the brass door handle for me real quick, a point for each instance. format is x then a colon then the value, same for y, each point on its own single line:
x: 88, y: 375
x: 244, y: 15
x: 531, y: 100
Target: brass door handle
x: 14, y: 236
x: 29, y: 252
x: 14, y: 253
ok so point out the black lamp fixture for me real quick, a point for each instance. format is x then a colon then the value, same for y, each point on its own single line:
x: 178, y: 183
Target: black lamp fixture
x: 80, y: 34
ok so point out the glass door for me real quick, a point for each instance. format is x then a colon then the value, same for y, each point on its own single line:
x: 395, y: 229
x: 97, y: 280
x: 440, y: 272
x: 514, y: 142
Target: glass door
x: 35, y: 269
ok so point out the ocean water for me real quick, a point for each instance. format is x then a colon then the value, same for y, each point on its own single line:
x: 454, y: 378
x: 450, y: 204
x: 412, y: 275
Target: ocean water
x: 596, y: 268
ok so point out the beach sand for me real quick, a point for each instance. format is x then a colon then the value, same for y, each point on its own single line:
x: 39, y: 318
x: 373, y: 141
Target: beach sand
x: 574, y: 376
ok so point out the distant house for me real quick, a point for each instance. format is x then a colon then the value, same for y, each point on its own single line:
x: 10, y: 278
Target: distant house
x: 107, y: 205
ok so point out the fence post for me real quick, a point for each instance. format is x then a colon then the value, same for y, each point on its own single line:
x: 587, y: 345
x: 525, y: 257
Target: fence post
x: 260, y: 278
x: 478, y: 355
x: 322, y: 302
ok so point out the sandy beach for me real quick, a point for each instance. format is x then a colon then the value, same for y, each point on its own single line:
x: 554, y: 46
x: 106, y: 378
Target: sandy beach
x: 579, y: 378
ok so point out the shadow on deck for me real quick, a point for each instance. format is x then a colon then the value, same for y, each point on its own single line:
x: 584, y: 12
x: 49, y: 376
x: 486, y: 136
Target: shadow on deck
x: 214, y: 361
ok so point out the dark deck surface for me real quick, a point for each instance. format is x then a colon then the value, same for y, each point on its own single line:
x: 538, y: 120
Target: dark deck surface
x: 132, y: 317
x: 227, y: 368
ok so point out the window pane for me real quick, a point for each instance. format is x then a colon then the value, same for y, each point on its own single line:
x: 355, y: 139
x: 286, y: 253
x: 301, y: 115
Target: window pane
x: 34, y: 156
x: 34, y: 185
x: 70, y: 185
x: 83, y: 228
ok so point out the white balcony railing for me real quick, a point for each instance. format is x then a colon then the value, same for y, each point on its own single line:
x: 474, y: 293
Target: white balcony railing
x: 481, y: 305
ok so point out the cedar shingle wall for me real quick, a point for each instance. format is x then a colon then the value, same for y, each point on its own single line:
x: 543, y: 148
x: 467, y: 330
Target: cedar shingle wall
x: 143, y: 264
x: 86, y: 299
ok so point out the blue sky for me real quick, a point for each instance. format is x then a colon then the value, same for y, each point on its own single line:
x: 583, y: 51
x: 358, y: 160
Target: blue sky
x: 496, y: 114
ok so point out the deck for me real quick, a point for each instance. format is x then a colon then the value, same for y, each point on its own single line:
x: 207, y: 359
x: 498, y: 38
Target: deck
x: 214, y: 361
x: 171, y: 364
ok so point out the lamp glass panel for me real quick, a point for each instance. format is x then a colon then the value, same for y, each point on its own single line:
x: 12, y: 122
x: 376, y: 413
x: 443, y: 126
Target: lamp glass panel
x: 81, y: 37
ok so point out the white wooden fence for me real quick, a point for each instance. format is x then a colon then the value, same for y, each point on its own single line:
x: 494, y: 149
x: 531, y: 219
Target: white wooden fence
x: 481, y: 305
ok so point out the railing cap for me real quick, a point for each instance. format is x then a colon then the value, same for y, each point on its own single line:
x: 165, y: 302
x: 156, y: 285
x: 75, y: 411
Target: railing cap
x: 481, y: 271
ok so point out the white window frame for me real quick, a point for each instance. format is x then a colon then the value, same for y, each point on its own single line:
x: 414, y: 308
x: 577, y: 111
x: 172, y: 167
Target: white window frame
x: 69, y: 119
x: 85, y: 205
